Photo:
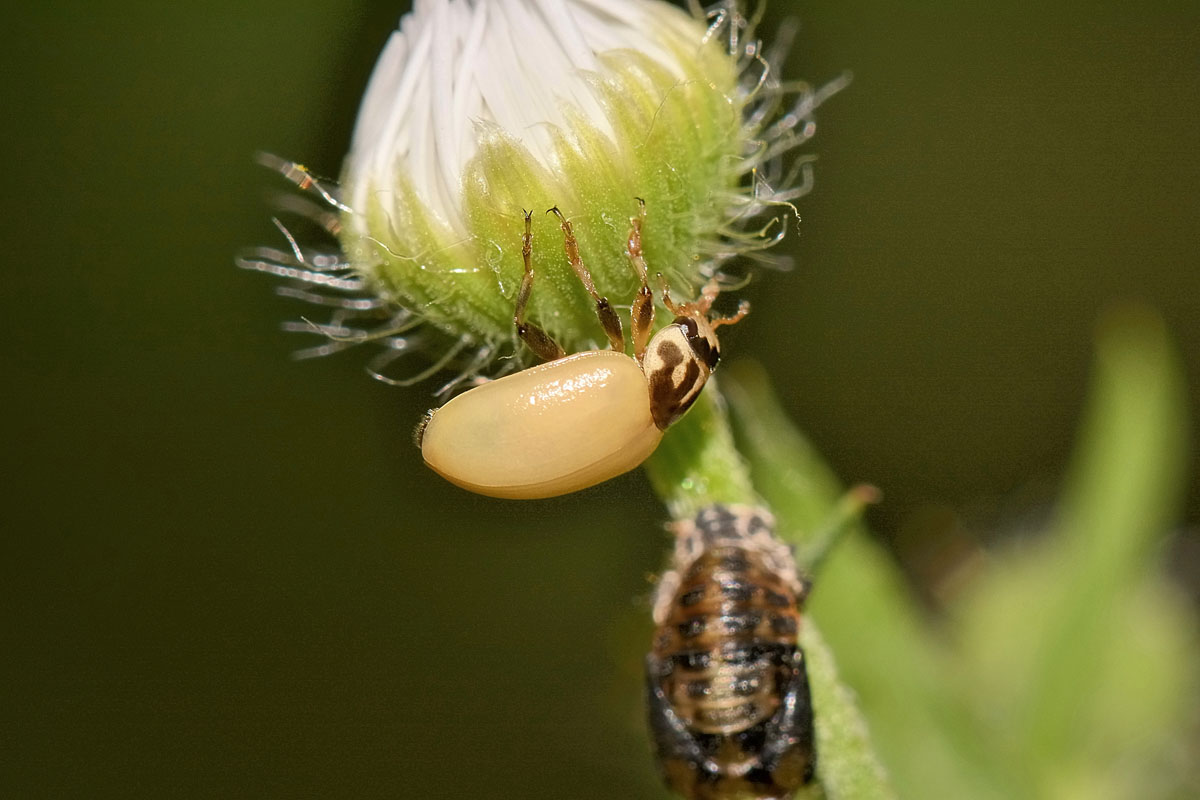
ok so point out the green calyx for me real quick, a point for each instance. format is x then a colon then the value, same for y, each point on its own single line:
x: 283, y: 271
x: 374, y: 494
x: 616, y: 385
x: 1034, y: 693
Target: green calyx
x: 675, y: 143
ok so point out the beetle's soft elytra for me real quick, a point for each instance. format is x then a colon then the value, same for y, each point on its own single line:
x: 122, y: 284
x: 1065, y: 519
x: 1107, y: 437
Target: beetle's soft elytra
x: 545, y: 431
x: 578, y: 419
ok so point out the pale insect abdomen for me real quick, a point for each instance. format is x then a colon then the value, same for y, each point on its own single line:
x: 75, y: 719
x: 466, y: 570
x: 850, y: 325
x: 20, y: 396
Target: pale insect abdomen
x: 728, y: 692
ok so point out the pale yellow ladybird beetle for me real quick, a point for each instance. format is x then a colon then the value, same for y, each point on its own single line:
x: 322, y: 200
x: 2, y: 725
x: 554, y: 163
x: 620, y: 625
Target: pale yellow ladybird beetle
x: 580, y: 419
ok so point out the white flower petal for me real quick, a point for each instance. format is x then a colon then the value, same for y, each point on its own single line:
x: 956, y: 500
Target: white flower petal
x: 514, y: 63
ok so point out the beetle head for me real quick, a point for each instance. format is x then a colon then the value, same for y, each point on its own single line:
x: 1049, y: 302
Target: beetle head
x: 681, y: 357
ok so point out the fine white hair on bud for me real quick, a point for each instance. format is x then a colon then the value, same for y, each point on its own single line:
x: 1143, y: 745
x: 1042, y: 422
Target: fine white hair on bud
x: 479, y: 110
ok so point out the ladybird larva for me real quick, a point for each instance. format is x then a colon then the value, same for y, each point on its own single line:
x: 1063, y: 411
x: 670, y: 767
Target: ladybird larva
x: 729, y: 704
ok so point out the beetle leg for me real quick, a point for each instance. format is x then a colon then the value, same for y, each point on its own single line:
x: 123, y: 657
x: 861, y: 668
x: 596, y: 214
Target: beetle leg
x: 702, y: 306
x: 534, y: 337
x: 642, y: 311
x: 608, y: 318
x: 666, y: 295
x: 708, y: 294
x: 743, y: 310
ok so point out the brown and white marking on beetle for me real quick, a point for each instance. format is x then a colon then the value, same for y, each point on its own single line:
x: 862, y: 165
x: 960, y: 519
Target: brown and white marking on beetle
x: 727, y: 688
x: 682, y: 356
x: 578, y: 419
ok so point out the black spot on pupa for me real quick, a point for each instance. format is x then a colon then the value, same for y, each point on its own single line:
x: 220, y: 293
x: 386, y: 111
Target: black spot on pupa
x: 741, y: 622
x: 776, y: 599
x: 737, y: 591
x: 692, y: 627
x: 715, y: 522
x: 694, y: 660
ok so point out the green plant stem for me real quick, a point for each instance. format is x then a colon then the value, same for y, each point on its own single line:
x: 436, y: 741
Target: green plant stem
x: 848, y: 766
x: 698, y: 465
x: 884, y: 649
x: 1121, y: 496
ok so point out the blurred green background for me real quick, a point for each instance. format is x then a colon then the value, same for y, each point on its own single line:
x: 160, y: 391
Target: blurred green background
x: 228, y: 573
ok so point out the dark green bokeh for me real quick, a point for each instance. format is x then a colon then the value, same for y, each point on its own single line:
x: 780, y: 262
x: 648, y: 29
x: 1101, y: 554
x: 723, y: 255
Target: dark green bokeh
x: 227, y: 573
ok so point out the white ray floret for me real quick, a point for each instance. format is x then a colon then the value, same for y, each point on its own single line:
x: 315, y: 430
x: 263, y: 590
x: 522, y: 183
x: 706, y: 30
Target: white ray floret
x: 517, y: 64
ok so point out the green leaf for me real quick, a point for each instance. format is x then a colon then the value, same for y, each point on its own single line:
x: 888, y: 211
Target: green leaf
x: 848, y: 768
x: 1077, y: 646
x: 883, y: 648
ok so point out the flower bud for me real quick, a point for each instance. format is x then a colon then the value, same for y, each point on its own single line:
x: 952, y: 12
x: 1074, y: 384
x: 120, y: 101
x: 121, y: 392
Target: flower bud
x: 479, y: 110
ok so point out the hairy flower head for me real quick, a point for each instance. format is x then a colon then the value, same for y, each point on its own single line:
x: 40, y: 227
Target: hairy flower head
x: 481, y: 109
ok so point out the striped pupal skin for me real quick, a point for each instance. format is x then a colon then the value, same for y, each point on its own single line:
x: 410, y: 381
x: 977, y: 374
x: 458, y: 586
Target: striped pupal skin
x: 727, y: 688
